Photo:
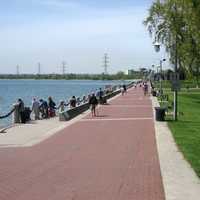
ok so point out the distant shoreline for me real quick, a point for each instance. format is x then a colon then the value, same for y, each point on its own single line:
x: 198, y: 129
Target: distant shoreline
x: 118, y: 76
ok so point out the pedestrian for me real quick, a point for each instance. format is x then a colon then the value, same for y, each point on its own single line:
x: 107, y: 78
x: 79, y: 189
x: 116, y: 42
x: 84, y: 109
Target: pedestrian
x: 101, y: 93
x: 21, y: 110
x: 43, y: 108
x: 93, y: 102
x: 122, y: 90
x: 145, y: 88
x: 36, y: 108
x: 124, y: 87
x: 100, y: 96
x: 51, y: 107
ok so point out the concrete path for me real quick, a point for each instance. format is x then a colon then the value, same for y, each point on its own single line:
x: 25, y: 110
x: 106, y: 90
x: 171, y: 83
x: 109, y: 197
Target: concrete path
x: 110, y: 157
x: 179, y: 179
x: 34, y: 132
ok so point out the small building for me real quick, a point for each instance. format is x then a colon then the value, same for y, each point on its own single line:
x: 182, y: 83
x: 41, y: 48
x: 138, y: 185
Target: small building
x: 129, y: 72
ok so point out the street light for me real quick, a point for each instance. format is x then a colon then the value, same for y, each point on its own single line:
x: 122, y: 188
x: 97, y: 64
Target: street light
x: 161, y: 61
x: 157, y: 49
x: 157, y: 46
x: 175, y: 79
x: 152, y: 72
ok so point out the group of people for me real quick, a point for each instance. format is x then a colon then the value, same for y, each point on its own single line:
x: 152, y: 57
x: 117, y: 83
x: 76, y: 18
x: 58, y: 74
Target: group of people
x: 40, y: 108
x: 43, y: 109
x: 145, y: 87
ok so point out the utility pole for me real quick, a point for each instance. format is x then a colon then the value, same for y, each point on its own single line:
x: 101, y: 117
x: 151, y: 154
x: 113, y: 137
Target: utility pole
x: 17, y: 69
x: 39, y: 68
x: 64, y: 67
x: 106, y: 61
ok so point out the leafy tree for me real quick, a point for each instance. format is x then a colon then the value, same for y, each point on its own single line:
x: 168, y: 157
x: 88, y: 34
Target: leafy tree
x: 176, y: 24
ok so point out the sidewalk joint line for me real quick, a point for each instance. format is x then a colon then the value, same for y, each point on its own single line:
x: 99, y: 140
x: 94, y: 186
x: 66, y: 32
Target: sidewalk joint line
x: 116, y: 119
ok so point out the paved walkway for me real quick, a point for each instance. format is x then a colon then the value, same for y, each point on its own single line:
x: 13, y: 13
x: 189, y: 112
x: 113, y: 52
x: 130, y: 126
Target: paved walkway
x: 110, y: 157
x: 179, y: 179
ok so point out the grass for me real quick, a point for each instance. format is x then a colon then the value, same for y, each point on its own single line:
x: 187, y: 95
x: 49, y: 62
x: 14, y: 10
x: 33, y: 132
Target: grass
x: 186, y: 130
x: 183, y: 83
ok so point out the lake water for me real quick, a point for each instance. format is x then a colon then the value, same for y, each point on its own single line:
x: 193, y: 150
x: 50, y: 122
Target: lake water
x: 11, y: 90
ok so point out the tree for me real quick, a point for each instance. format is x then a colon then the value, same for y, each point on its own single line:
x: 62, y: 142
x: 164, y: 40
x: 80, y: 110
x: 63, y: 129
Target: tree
x: 176, y: 24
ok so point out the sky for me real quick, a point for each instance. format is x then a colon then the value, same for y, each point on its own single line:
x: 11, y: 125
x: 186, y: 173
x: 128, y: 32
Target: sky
x: 78, y: 32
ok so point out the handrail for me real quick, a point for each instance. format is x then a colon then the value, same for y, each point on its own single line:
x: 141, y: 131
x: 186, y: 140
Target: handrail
x: 8, y: 114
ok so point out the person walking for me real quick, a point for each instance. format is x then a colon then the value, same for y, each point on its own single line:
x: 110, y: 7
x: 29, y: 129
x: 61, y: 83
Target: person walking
x: 122, y: 90
x: 93, y: 102
x: 36, y: 108
x: 145, y: 88
x: 125, y: 90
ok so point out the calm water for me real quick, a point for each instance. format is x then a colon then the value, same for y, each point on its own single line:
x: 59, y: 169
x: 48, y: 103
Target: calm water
x: 10, y: 90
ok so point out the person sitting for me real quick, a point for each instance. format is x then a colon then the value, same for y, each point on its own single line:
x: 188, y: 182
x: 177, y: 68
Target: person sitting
x: 84, y: 99
x: 72, y: 102
x: 61, y: 107
x: 78, y: 101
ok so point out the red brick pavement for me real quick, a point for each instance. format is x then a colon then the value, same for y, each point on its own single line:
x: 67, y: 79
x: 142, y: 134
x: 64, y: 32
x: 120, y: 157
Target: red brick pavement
x: 110, y: 157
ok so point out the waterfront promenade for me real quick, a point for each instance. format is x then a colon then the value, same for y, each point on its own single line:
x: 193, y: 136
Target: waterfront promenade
x: 109, y: 157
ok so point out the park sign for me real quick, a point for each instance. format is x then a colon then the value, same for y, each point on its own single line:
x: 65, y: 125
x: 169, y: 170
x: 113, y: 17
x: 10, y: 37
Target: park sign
x: 175, y: 81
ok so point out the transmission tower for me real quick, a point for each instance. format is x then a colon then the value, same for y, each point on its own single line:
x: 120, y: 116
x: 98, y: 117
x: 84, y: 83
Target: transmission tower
x: 64, y: 67
x: 105, y: 62
x: 39, y: 68
x: 17, y: 69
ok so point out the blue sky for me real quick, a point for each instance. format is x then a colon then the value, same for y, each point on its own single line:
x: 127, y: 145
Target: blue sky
x: 78, y: 32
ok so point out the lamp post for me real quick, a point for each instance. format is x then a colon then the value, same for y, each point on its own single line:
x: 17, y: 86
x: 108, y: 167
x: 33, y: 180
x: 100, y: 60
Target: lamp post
x: 175, y: 79
x: 157, y: 49
x: 152, y: 72
x: 161, y: 61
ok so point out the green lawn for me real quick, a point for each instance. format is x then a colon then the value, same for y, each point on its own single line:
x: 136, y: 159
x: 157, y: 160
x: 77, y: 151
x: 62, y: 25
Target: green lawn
x: 183, y: 83
x: 186, y: 130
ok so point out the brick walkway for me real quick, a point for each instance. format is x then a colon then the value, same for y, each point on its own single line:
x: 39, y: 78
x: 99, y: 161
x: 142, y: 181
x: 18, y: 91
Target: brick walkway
x: 110, y: 157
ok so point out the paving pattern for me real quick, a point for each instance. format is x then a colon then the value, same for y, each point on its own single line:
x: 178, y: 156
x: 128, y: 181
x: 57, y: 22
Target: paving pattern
x: 109, y: 157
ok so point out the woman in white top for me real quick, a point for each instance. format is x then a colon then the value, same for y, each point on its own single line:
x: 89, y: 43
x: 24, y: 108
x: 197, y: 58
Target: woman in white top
x: 36, y: 108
